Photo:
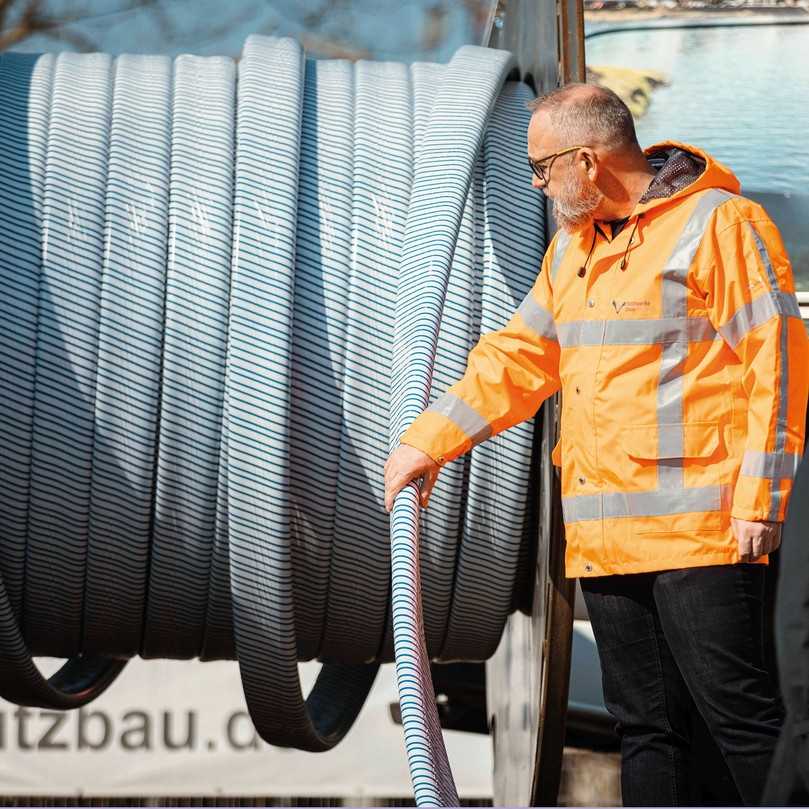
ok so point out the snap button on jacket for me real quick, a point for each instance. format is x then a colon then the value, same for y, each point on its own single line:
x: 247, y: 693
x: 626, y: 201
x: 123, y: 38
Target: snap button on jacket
x: 684, y: 379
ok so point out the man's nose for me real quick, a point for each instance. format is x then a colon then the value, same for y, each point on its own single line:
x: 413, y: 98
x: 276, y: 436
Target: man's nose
x: 536, y: 182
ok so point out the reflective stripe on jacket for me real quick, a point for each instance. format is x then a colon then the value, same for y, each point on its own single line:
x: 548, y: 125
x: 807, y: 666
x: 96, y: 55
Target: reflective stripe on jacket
x: 684, y: 369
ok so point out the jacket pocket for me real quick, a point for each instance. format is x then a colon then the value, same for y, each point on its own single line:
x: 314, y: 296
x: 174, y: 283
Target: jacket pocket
x: 687, y: 500
x: 653, y: 442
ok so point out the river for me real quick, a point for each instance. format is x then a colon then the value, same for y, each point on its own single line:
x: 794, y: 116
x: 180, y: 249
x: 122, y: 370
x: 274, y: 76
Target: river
x: 742, y: 94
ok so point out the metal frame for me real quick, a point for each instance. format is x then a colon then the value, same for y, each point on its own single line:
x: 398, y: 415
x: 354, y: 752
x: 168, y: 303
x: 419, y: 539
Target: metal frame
x: 547, y: 40
x: 545, y: 36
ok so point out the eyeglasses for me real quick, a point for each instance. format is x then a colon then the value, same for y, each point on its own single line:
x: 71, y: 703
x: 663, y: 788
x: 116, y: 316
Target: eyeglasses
x: 544, y: 173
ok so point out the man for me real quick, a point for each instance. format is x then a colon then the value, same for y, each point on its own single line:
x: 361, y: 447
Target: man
x: 665, y: 311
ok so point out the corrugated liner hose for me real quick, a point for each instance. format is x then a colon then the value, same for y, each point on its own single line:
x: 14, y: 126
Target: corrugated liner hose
x: 225, y: 291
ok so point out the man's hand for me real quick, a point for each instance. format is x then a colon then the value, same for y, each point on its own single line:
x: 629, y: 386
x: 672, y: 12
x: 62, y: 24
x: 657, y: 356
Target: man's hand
x: 755, y: 538
x: 405, y: 464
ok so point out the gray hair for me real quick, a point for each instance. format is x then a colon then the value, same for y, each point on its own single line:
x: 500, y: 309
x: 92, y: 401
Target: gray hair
x: 587, y: 114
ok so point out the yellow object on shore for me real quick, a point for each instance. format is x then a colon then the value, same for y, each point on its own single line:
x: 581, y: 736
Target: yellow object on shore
x: 633, y: 86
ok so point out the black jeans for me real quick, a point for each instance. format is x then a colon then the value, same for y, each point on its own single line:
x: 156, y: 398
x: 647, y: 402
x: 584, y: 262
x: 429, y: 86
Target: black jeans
x: 676, y: 643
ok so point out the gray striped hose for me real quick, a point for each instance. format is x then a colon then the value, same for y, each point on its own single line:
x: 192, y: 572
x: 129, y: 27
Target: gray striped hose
x: 226, y: 290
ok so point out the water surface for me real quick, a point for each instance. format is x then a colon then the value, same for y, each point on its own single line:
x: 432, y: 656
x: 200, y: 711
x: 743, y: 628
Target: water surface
x: 742, y: 94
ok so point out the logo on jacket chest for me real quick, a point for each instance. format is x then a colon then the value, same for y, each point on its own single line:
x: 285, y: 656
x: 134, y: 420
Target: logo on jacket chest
x: 622, y: 305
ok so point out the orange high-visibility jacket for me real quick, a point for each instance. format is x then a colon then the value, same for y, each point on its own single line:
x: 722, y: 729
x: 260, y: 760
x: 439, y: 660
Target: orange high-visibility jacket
x: 684, y: 369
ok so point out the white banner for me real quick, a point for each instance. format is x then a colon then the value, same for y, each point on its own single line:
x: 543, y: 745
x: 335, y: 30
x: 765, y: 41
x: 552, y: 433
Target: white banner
x: 172, y: 728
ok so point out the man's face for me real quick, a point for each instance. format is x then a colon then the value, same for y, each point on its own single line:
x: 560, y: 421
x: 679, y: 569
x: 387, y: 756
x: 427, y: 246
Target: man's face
x: 575, y: 196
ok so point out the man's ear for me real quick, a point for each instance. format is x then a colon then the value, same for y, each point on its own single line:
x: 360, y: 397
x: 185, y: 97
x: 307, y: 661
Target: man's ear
x: 589, y: 162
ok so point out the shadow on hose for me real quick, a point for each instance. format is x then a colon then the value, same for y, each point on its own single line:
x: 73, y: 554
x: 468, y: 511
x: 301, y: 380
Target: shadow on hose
x: 81, y: 678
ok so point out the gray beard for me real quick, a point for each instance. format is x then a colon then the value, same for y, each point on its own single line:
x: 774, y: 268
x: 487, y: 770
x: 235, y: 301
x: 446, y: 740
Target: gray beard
x: 570, y: 219
x: 573, y: 209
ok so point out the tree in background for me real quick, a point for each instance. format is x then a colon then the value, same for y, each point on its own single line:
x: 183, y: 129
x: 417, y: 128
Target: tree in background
x: 423, y: 29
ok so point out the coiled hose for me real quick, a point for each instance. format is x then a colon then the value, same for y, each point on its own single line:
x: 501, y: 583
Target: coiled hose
x: 222, y: 292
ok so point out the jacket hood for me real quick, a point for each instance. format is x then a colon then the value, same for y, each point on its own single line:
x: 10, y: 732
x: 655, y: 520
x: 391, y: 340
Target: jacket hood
x: 683, y: 170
